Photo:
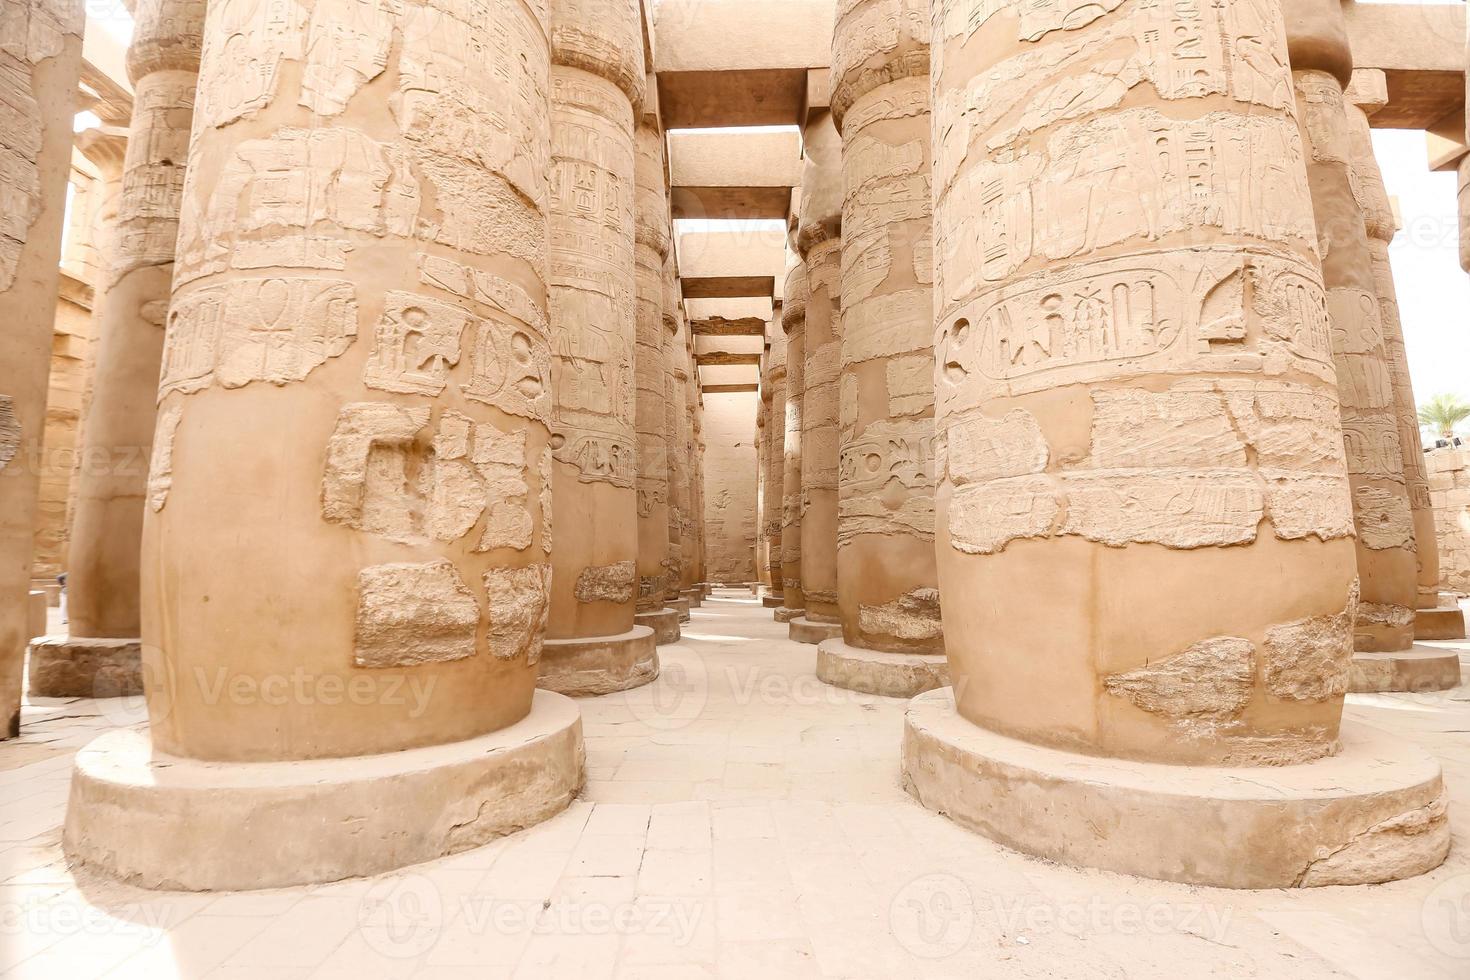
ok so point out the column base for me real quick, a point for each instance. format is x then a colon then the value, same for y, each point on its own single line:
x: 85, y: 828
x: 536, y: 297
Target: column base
x: 681, y: 606
x: 785, y: 615
x: 1444, y: 623
x: 804, y: 630
x: 663, y: 622
x: 166, y: 822
x: 85, y: 667
x: 594, y: 665
x: 694, y: 596
x: 891, y: 675
x: 1374, y: 812
x: 1415, y: 670
x: 772, y: 601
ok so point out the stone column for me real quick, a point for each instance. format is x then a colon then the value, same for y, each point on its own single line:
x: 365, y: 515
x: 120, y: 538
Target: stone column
x: 773, y: 385
x: 693, y: 558
x: 819, y: 243
x: 762, y: 545
x: 101, y: 655
x: 1371, y: 418
x: 597, y: 87
x: 1368, y: 93
x: 676, y: 421
x: 1142, y: 516
x: 793, y: 324
x: 40, y: 60
x: 651, y: 251
x: 345, y: 573
x: 888, y: 585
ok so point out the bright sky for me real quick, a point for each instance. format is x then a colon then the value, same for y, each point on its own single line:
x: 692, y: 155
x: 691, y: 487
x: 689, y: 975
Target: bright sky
x: 1434, y: 292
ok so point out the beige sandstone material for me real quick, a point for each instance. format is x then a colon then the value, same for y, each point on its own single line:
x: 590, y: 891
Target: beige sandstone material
x: 892, y: 675
x: 67, y: 667
x: 595, y: 665
x: 133, y: 296
x: 1372, y: 413
x: 40, y: 60
x: 819, y: 242
x: 157, y: 820
x: 804, y: 629
x: 663, y: 621
x: 793, y: 324
x: 1373, y: 812
x: 773, y: 391
x: 887, y: 580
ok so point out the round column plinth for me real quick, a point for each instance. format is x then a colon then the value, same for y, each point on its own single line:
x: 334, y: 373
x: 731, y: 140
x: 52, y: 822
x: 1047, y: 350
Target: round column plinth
x: 772, y: 601
x: 805, y: 630
x: 663, y: 622
x: 1416, y: 670
x: 1444, y: 623
x: 891, y: 675
x: 694, y: 596
x: 594, y: 665
x: 167, y: 822
x: 1374, y: 812
x: 82, y: 667
x: 681, y: 606
x: 784, y: 614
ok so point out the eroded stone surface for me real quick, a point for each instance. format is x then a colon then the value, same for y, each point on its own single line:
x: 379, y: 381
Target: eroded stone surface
x: 912, y: 616
x: 9, y: 431
x: 607, y: 583
x: 1308, y: 660
x: 1210, y: 681
x: 518, y: 601
x: 411, y: 614
x: 161, y: 467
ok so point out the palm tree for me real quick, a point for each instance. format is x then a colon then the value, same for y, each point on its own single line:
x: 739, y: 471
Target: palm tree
x: 1442, y: 413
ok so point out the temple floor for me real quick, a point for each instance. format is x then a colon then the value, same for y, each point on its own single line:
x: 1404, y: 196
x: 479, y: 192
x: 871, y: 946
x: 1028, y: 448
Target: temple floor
x: 740, y: 820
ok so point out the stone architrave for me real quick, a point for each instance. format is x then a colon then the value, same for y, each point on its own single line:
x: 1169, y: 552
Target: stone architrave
x: 346, y: 562
x: 40, y: 61
x: 651, y: 251
x: 597, y: 90
x: 1367, y: 93
x: 1138, y: 426
x: 132, y: 302
x: 1375, y: 407
x: 774, y: 385
x: 887, y: 581
x: 793, y: 324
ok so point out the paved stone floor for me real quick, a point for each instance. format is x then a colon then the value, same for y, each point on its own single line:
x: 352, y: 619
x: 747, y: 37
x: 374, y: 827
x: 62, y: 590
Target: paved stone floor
x: 741, y: 820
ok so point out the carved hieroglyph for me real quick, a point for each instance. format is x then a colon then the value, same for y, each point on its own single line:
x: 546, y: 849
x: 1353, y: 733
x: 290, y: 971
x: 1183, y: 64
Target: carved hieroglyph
x: 793, y: 323
x: 9, y: 431
x: 360, y: 305
x: 1387, y: 563
x: 1135, y: 379
x: 607, y: 583
x: 653, y: 234
x: 161, y: 466
x: 885, y: 523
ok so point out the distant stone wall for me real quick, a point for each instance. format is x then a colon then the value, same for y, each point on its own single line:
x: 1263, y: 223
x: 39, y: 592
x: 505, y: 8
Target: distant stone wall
x: 1449, y: 491
x: 729, y: 485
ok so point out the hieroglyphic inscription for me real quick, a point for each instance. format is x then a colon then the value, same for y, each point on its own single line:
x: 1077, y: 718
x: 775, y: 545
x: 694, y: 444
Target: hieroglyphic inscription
x: 294, y: 199
x: 543, y: 475
x: 484, y: 287
x: 244, y: 46
x: 347, y: 46
x: 886, y: 480
x: 415, y: 343
x: 1151, y: 312
x: 607, y: 583
x: 409, y: 615
x: 274, y: 330
x: 1131, y: 175
x: 511, y: 369
x: 9, y: 431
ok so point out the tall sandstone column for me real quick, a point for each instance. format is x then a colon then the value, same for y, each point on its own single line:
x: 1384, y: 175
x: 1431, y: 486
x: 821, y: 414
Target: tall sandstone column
x: 677, y: 420
x: 651, y: 251
x: 1368, y: 93
x: 762, y: 546
x: 101, y: 656
x: 345, y: 573
x: 887, y: 580
x: 1388, y: 567
x: 819, y: 243
x: 793, y: 324
x: 773, y: 386
x: 693, y: 567
x: 40, y: 60
x: 1143, y: 523
x: 597, y: 87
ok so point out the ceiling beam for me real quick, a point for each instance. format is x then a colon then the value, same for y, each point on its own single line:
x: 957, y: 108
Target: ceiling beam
x: 718, y: 326
x: 729, y: 389
x: 728, y: 287
x: 723, y: 358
